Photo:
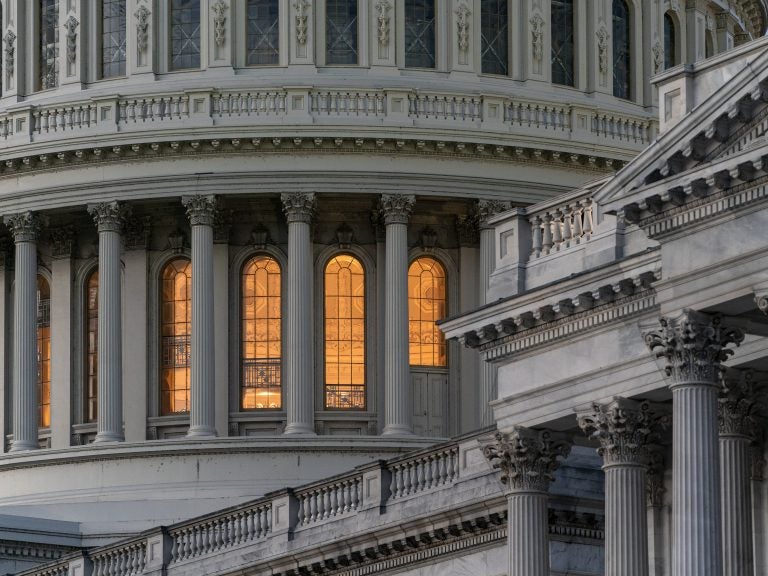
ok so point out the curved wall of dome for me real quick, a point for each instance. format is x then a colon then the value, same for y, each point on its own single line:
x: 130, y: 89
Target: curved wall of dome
x: 328, y: 168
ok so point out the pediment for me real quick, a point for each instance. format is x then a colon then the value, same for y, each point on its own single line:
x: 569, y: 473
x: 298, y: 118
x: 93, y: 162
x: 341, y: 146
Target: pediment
x: 731, y: 121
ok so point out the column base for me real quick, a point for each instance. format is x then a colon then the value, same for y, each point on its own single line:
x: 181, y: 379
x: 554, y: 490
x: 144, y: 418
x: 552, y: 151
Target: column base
x: 296, y: 429
x: 202, y: 432
x: 397, y: 430
x: 103, y: 437
x: 23, y: 446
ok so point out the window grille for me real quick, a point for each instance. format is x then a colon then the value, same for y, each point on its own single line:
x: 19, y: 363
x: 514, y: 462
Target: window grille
x: 44, y: 351
x: 49, y: 44
x: 426, y: 305
x: 622, y: 57
x: 341, y: 32
x: 419, y: 33
x: 185, y: 34
x: 176, y: 329
x: 494, y: 36
x: 112, y: 38
x: 562, y: 42
x: 263, y: 36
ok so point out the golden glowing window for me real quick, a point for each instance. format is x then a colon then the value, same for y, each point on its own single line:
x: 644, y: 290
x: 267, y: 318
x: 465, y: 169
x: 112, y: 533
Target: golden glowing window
x: 426, y: 305
x: 344, y: 333
x: 91, y: 346
x: 261, y: 335
x: 44, y: 351
x: 175, y: 332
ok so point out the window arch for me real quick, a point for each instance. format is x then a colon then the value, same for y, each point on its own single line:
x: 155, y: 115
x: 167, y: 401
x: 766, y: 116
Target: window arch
x: 91, y: 345
x: 562, y: 42
x: 670, y: 41
x: 48, y: 62
x: 185, y: 34
x: 622, y: 54
x: 426, y: 305
x: 44, y: 350
x: 175, y: 333
x: 113, y: 37
x: 261, y: 329
x: 344, y: 333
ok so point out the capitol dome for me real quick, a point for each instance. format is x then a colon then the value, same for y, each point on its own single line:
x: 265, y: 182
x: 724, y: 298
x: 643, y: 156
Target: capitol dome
x: 232, y: 225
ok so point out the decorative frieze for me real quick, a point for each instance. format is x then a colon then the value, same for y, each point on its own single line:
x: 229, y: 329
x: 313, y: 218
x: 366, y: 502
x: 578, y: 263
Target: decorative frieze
x: 467, y: 230
x: 654, y: 482
x: 462, y: 31
x: 201, y: 210
x: 396, y: 208
x: 136, y: 232
x: 10, y: 53
x: 658, y: 57
x: 298, y: 206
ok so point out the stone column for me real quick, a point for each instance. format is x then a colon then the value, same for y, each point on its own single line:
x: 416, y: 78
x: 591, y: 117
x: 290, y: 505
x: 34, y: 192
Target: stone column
x: 202, y: 413
x: 108, y: 217
x: 622, y: 428
x: 299, y: 391
x: 693, y: 346
x: 486, y: 209
x: 736, y: 425
x: 24, y: 228
x: 398, y: 412
x: 527, y: 460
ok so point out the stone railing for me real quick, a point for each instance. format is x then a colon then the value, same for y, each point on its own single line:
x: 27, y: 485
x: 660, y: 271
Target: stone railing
x: 329, y: 500
x: 444, y: 107
x: 125, y: 559
x: 538, y: 115
x: 560, y: 226
x: 425, y: 472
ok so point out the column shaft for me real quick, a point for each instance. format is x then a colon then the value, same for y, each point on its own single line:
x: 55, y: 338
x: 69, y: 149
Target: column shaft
x: 735, y: 465
x: 110, y: 349
x: 25, y: 408
x: 528, y: 533
x: 626, y: 523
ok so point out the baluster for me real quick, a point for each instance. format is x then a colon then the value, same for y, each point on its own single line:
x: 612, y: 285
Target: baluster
x: 312, y: 506
x: 557, y: 231
x: 406, y: 479
x: 265, y: 521
x: 393, y: 482
x: 326, y: 496
x: 414, y: 477
x: 356, y: 496
x: 546, y: 242
x: 454, y: 464
x: 588, y: 217
x: 428, y: 473
x: 536, y: 241
x: 577, y: 231
x: 421, y: 480
x: 567, y: 213
x: 335, y: 490
x: 443, y: 468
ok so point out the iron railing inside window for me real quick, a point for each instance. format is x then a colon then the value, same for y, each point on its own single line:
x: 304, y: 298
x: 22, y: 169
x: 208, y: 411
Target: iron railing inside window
x: 43, y: 313
x: 176, y: 351
x: 261, y: 373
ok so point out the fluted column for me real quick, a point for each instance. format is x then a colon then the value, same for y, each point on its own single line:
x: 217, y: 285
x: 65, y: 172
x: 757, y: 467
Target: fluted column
x: 398, y: 412
x: 299, y: 393
x: 693, y: 346
x: 736, y: 422
x: 623, y: 428
x: 202, y: 411
x: 109, y: 220
x: 24, y: 228
x: 527, y: 460
x: 486, y: 209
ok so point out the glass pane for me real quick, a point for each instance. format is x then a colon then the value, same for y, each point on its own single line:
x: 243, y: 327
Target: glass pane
x: 175, y: 330
x: 185, y: 34
x: 494, y: 36
x: 670, y: 42
x: 112, y: 38
x: 91, y: 345
x: 562, y: 42
x: 44, y: 351
x: 419, y: 33
x: 621, y: 52
x: 49, y: 44
x: 263, y: 37
x: 426, y: 305
x: 341, y: 32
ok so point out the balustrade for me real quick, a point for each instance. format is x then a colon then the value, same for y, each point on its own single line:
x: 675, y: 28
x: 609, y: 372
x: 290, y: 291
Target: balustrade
x: 269, y: 103
x: 126, y: 560
x: 329, y: 500
x: 445, y: 107
x: 560, y: 227
x: 61, y: 118
x: 424, y: 472
x: 339, y: 103
x: 538, y: 115
x: 154, y: 108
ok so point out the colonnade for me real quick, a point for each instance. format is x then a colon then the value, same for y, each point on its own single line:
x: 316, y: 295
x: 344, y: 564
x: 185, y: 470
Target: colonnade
x: 711, y: 499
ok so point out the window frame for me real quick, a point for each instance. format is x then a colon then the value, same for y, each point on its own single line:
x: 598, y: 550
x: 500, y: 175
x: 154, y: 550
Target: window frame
x: 91, y: 270
x: 36, y: 22
x: 98, y: 52
x: 47, y: 278
x: 439, y: 261
x: 631, y: 52
x: 402, y: 54
x: 281, y: 38
x: 168, y: 13
x: 574, y: 49
x: 510, y: 47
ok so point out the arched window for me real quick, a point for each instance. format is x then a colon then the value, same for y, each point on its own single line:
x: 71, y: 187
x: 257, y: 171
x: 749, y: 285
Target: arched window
x: 341, y: 31
x: 112, y: 38
x: 622, y: 55
x: 426, y: 305
x: 261, y: 340
x: 670, y: 41
x: 44, y: 351
x: 562, y: 42
x: 185, y: 34
x: 709, y: 44
x: 176, y: 329
x: 263, y: 36
x: 48, y: 62
x: 91, y: 346
x: 344, y: 333
x: 494, y: 36
x: 419, y: 33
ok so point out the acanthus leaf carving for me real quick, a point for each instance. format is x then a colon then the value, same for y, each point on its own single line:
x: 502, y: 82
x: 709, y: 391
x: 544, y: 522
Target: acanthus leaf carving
x: 383, y: 8
x: 301, y: 21
x: 201, y: 209
x: 298, y: 206
x: 109, y: 216
x: 602, y: 48
x: 737, y: 406
x: 396, y: 208
x: 219, y: 9
x: 537, y: 36
x: 24, y: 226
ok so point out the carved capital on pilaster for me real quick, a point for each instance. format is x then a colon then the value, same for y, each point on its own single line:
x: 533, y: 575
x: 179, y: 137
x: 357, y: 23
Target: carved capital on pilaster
x: 654, y: 483
x: 737, y: 406
x: 396, y: 208
x: 526, y: 458
x: 467, y: 230
x: 693, y: 345
x: 298, y: 206
x: 487, y: 209
x: 201, y: 209
x: 109, y: 216
x: 24, y: 226
x: 623, y: 429
x: 63, y: 241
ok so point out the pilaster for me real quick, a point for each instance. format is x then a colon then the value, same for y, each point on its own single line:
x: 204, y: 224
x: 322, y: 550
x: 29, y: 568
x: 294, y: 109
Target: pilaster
x: 6, y: 338
x: 72, y: 35
x: 221, y: 39
x: 13, y: 55
x: 135, y: 347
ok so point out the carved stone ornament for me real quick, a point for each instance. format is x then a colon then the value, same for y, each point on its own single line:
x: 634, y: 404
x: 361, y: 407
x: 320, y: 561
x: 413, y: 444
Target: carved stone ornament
x: 761, y: 300
x: 219, y: 9
x: 467, y: 229
x: 136, y: 232
x: 526, y: 458
x: 62, y: 241
x: 396, y: 208
x: 23, y: 226
x: 301, y: 21
x: 658, y: 57
x: 487, y: 209
x: 70, y: 26
x: 142, y: 27
x: 757, y: 453
x: 602, y: 48
x: 737, y: 406
x: 298, y: 206
x: 623, y: 429
x: 382, y: 21
x: 109, y: 216
x: 10, y: 52
x: 537, y: 36
x: 654, y: 482
x: 693, y: 345
x: 462, y: 26
x: 201, y: 210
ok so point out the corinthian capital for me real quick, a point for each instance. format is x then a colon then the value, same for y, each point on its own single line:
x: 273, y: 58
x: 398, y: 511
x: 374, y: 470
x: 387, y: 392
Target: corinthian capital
x: 396, y: 208
x: 527, y: 458
x: 737, y: 406
x: 201, y: 210
x: 623, y: 429
x: 693, y: 345
x: 298, y: 206
x: 24, y: 226
x: 109, y: 216
x: 487, y: 209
